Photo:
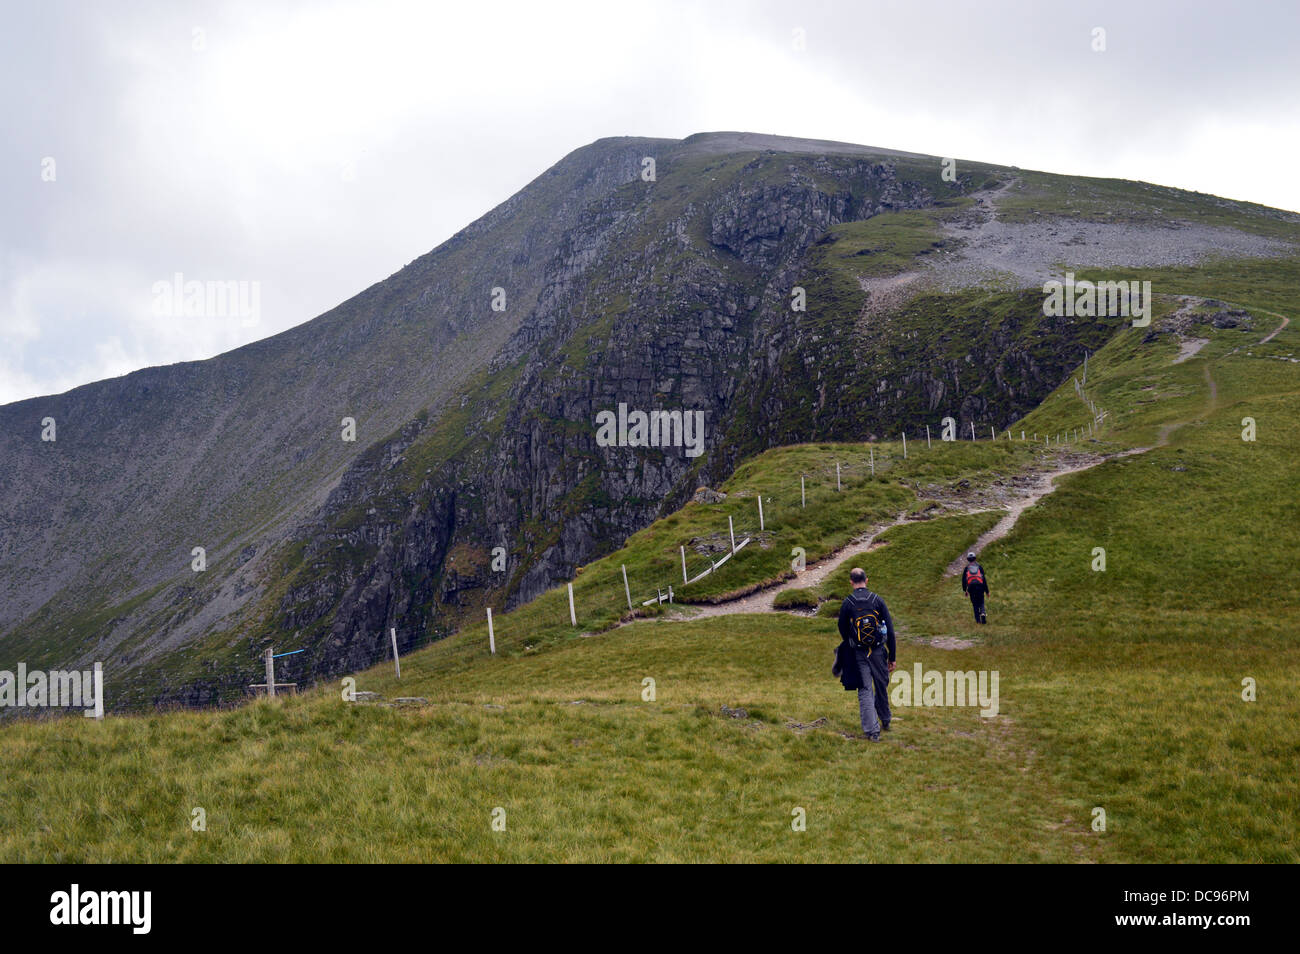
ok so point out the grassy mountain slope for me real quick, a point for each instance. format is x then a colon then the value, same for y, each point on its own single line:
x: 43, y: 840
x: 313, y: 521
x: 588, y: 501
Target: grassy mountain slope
x: 1120, y: 689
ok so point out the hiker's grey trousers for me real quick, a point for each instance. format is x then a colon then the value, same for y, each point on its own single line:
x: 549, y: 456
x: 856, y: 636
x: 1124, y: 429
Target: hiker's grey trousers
x: 867, y: 696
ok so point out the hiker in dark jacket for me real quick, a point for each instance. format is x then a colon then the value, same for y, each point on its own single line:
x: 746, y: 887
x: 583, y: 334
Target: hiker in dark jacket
x: 867, y: 632
x: 975, y: 584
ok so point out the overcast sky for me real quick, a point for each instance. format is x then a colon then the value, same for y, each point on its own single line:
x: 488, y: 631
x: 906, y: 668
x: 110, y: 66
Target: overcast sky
x: 315, y: 148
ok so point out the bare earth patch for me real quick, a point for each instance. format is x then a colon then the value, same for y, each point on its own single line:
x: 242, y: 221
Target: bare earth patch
x: 1188, y: 347
x: 888, y: 294
x: 948, y: 642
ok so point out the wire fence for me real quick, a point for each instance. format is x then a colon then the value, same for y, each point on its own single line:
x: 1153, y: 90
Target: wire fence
x: 705, y: 554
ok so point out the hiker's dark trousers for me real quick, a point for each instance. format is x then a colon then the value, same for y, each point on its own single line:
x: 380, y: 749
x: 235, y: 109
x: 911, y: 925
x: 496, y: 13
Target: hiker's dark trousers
x: 873, y: 700
x: 976, y: 594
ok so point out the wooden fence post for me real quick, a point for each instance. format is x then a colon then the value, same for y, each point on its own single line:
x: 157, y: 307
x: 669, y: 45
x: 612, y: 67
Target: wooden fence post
x: 626, y: 589
x: 760, y: 512
x: 684, y: 580
x: 492, y: 638
x: 573, y: 614
x: 397, y: 663
x: 270, y: 674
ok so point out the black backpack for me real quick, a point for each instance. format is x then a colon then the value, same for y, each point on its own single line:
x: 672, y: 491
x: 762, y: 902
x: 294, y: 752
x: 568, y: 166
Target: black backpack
x: 869, y: 630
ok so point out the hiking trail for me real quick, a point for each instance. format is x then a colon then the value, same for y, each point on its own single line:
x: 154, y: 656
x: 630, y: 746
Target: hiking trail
x: 1038, y: 486
x: 1035, y: 486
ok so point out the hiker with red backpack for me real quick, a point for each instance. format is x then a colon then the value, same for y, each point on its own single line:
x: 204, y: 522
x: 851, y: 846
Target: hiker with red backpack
x: 865, y: 656
x: 975, y: 584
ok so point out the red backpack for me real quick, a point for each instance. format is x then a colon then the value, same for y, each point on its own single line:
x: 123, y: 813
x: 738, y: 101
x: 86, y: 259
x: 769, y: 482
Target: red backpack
x: 974, y: 574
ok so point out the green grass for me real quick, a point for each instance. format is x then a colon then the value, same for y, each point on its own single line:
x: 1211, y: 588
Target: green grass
x: 1126, y: 201
x: 584, y: 769
x: 882, y: 245
x: 796, y: 598
x: 1119, y: 689
x: 912, y: 561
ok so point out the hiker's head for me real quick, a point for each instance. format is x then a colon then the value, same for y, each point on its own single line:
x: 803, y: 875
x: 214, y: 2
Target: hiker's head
x: 858, y: 577
x: 970, y: 557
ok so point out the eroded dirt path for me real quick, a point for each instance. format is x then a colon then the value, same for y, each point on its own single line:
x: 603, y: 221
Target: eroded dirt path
x: 815, y: 574
x: 1273, y: 334
x: 1018, y: 493
x: 1044, y: 485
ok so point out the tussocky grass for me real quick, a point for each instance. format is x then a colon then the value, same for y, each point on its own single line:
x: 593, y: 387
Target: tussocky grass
x: 1120, y: 690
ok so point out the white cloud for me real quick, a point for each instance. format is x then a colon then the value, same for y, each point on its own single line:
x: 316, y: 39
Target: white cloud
x: 316, y: 148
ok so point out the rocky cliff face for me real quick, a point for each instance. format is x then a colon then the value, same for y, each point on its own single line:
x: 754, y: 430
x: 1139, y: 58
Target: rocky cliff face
x: 231, y: 454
